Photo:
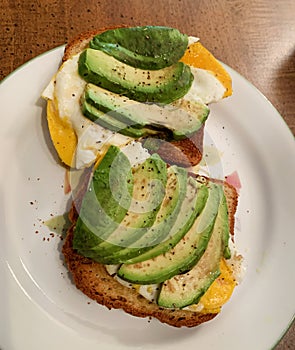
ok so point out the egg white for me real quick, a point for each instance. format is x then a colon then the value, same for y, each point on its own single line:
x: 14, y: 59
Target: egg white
x: 206, y: 88
x: 66, y: 88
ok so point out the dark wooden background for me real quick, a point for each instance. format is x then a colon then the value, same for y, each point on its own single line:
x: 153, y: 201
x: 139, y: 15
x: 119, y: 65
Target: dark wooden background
x: 255, y: 37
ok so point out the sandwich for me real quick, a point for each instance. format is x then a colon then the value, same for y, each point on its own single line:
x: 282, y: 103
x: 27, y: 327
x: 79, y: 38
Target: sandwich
x: 148, y: 234
x: 81, y: 131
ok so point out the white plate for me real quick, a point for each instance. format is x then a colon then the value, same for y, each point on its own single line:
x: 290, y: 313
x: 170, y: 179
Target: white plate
x: 40, y: 307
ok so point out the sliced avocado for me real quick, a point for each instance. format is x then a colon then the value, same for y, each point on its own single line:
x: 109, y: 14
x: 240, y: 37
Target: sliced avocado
x: 174, y: 195
x: 149, y: 182
x: 183, y: 118
x: 107, y: 121
x: 192, y: 205
x: 148, y: 47
x: 107, y: 101
x: 187, y: 289
x: 162, y: 86
x: 102, y: 209
x: 187, y: 251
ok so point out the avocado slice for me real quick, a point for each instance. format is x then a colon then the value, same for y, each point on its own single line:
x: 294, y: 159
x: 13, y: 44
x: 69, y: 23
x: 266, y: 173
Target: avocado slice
x: 186, y: 253
x: 161, y: 86
x: 191, y: 207
x: 174, y: 195
x: 147, y: 47
x: 187, y: 289
x: 107, y: 101
x: 102, y: 209
x: 183, y: 118
x: 107, y: 121
x: 149, y: 182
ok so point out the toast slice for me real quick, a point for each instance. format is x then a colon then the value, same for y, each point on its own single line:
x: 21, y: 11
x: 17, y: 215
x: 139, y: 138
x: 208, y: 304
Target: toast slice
x: 93, y: 279
x: 187, y: 152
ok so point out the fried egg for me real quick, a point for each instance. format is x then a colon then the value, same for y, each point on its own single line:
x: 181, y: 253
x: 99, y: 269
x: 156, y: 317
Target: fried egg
x: 80, y: 142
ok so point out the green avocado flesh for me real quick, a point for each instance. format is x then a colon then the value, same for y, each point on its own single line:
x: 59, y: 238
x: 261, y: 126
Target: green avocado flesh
x: 118, y: 113
x: 192, y: 205
x: 161, y: 86
x: 186, y: 253
x: 107, y: 121
x: 187, y: 289
x: 148, y: 47
x: 102, y: 210
x: 149, y: 182
x: 165, y: 219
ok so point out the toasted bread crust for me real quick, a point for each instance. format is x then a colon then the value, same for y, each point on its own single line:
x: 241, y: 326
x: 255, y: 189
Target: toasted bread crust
x: 187, y: 152
x: 94, y: 281
x: 231, y: 195
x: 80, y: 42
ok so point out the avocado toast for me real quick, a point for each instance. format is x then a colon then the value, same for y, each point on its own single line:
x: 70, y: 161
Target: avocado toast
x: 183, y: 264
x: 83, y: 120
x: 148, y: 235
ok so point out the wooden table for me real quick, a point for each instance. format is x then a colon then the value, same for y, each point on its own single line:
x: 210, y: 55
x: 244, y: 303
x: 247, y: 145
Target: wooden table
x: 255, y: 37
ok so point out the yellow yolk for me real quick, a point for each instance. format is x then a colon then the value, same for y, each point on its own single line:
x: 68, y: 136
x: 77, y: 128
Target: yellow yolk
x: 220, y: 290
x: 62, y: 134
x: 199, y: 57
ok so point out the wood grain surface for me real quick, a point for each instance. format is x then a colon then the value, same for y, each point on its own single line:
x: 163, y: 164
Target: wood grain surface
x: 255, y: 37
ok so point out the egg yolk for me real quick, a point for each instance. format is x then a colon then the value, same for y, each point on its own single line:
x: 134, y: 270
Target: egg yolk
x: 199, y: 57
x: 62, y: 134
x: 220, y: 290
